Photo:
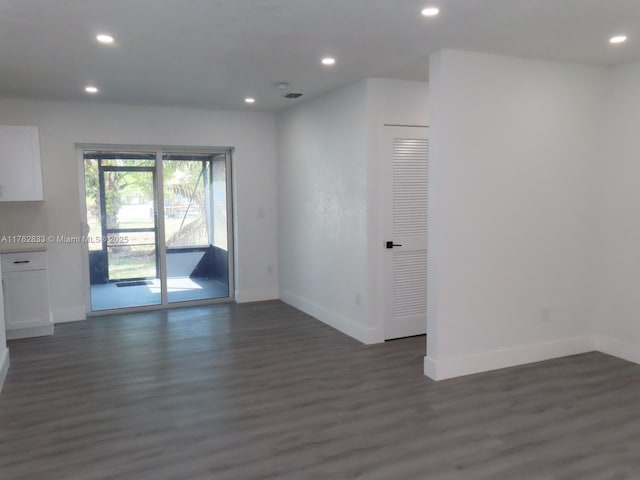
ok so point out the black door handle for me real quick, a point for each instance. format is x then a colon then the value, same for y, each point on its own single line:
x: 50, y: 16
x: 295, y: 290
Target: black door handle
x: 391, y: 244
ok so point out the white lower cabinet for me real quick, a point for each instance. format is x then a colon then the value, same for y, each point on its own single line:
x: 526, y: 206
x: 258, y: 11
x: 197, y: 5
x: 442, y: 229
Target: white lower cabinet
x: 26, y: 295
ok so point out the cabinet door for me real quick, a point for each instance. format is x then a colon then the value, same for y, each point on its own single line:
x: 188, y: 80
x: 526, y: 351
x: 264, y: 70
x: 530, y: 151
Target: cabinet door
x: 20, y: 170
x: 26, y: 297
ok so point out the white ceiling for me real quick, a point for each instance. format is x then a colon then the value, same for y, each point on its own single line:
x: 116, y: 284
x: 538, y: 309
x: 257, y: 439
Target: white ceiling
x: 214, y: 53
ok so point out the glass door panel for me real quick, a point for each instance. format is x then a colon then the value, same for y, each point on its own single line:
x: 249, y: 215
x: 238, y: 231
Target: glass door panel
x: 123, y: 231
x: 197, y: 254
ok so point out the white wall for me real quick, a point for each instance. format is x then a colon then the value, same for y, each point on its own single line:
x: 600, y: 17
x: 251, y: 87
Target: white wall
x: 618, y: 312
x: 322, y: 181
x: 511, y: 210
x: 398, y: 102
x: 62, y: 125
x: 328, y: 184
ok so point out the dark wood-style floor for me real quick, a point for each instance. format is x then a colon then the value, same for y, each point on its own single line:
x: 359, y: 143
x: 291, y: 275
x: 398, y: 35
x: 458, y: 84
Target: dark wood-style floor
x: 262, y: 391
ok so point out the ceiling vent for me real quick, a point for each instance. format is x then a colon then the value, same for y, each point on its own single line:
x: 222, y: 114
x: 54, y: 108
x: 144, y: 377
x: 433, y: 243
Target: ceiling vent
x: 292, y: 95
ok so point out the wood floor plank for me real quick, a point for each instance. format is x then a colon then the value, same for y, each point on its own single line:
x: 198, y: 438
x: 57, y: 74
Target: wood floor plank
x: 263, y: 391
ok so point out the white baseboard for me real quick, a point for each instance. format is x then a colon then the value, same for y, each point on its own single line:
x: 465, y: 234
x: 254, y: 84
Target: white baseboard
x: 504, y: 358
x: 618, y: 348
x: 248, y: 296
x: 4, y: 366
x: 366, y: 335
x: 68, y: 314
x: 30, y: 332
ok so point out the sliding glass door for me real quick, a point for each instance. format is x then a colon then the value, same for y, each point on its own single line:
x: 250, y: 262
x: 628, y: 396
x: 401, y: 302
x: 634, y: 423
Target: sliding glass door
x: 158, y: 226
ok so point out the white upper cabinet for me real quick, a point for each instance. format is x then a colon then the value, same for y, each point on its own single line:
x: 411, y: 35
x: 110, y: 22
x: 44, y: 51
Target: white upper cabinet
x: 20, y: 169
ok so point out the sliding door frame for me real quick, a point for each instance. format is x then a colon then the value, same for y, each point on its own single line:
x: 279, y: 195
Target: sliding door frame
x: 159, y: 211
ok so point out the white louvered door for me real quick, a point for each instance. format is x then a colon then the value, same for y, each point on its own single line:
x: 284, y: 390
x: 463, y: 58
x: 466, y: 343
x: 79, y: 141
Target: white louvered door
x: 405, y: 173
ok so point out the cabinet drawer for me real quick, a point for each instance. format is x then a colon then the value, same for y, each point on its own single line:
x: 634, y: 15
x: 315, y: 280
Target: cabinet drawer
x: 21, y: 262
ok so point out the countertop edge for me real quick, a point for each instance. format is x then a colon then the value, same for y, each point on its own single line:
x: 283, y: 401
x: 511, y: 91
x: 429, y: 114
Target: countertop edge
x: 24, y: 248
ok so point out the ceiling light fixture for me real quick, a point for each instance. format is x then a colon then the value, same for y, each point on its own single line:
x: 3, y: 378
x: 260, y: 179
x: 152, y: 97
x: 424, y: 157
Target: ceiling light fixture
x: 618, y: 39
x: 250, y: 100
x: 430, y: 11
x: 104, y: 38
x: 91, y: 89
x: 328, y: 61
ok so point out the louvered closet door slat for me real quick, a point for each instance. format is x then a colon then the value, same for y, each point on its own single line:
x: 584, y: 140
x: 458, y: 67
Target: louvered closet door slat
x: 410, y: 186
x: 409, y: 283
x: 410, y: 176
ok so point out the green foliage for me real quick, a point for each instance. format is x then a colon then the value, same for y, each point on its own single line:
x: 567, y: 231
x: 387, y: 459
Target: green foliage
x: 183, y: 184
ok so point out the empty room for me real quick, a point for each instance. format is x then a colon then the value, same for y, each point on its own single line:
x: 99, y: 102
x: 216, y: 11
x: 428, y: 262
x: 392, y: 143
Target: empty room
x: 336, y: 239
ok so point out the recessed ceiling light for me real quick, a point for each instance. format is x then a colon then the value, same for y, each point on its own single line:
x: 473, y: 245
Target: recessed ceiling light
x: 104, y: 38
x: 328, y: 61
x: 618, y: 39
x: 430, y: 11
x: 250, y: 100
x: 91, y: 89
